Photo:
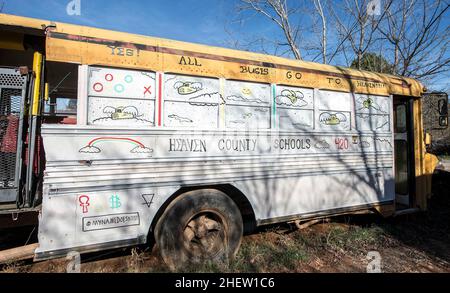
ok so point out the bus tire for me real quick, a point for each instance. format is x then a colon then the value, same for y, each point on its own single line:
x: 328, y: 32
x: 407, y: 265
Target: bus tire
x: 197, y: 226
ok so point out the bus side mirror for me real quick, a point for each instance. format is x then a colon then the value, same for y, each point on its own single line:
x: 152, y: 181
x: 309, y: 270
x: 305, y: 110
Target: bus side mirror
x: 443, y: 112
x: 427, y: 139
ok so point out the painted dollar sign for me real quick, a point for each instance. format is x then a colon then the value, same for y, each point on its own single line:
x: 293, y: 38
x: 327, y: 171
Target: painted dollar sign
x: 115, y: 201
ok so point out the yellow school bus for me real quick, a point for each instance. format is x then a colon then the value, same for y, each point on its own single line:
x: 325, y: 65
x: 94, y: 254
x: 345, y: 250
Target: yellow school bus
x: 115, y: 138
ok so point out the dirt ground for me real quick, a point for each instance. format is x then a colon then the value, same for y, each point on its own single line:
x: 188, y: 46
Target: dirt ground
x: 410, y: 243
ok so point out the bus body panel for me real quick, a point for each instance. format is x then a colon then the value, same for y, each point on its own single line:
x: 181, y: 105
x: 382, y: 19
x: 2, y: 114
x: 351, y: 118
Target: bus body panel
x: 102, y: 219
x: 315, y: 140
x: 105, y: 184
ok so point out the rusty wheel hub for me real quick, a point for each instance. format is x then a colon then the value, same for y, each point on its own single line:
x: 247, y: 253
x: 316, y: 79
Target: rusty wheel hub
x: 204, y: 235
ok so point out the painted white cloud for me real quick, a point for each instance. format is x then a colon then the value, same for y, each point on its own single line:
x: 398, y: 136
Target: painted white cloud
x: 90, y: 149
x: 242, y: 99
x: 322, y: 144
x: 141, y: 150
x: 209, y: 100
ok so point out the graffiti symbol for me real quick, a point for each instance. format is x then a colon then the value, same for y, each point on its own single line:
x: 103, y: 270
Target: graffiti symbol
x: 330, y: 118
x: 109, y: 77
x: 92, y: 147
x: 383, y: 140
x: 291, y: 98
x: 148, y: 199
x: 242, y: 99
x: 171, y: 78
x: 119, y: 88
x: 149, y: 75
x: 118, y: 113
x: 180, y: 119
x: 187, y: 87
x: 246, y: 91
x: 300, y: 125
x: 128, y: 79
x: 98, y: 87
x: 214, y: 97
x: 84, y: 203
x: 368, y: 103
x: 382, y: 125
x: 147, y: 90
x: 121, y: 113
x: 237, y: 121
x: 364, y: 144
x: 322, y: 144
x: 114, y: 200
x: 366, y: 117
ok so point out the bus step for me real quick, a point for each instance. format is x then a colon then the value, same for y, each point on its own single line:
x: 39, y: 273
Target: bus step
x: 406, y: 212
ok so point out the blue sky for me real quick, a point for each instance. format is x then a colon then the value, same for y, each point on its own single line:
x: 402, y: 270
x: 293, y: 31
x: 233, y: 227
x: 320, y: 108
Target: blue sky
x: 210, y: 22
x: 199, y: 21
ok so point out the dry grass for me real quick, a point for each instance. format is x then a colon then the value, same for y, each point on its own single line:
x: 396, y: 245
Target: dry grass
x: 417, y: 243
x: 11, y: 267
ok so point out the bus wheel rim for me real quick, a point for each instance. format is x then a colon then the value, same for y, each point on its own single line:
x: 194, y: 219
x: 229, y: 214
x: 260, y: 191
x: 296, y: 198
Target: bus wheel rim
x: 205, y: 235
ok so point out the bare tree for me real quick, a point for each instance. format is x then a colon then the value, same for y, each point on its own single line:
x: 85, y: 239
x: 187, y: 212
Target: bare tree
x: 418, y: 37
x: 278, y: 12
x: 358, y: 27
x: 409, y: 37
x: 323, y: 43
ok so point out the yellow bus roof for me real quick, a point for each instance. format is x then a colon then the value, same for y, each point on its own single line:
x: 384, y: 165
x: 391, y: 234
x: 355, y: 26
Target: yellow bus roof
x: 94, y: 46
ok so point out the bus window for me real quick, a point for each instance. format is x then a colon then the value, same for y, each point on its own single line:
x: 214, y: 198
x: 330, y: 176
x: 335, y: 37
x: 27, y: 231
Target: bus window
x: 121, y: 97
x: 295, y: 107
x: 401, y: 167
x: 247, y: 105
x: 334, y: 110
x: 400, y: 119
x: 372, y: 113
x: 191, y: 101
x: 61, y: 105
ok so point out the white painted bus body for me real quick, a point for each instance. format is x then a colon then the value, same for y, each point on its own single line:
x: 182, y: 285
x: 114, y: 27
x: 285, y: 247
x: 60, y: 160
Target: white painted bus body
x: 290, y: 151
